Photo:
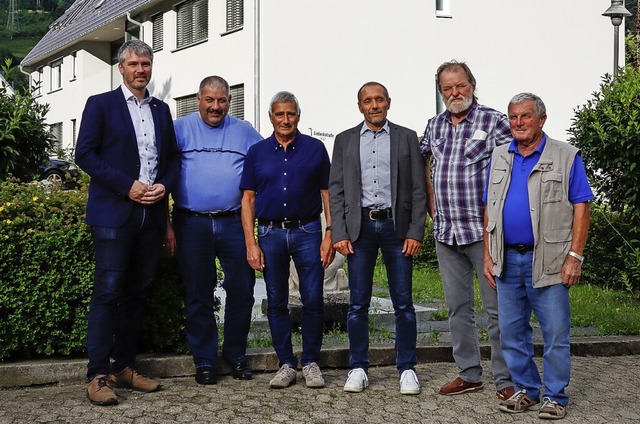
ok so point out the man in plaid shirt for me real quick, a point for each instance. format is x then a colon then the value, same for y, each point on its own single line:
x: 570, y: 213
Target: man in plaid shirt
x: 460, y: 141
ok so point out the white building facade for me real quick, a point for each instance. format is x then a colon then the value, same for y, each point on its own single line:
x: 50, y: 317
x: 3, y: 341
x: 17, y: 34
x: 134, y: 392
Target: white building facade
x: 323, y: 51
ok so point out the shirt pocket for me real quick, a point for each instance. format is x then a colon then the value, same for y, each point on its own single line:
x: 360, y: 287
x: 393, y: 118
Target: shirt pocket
x: 556, y: 243
x: 552, y: 187
x: 475, y: 150
x: 438, y: 148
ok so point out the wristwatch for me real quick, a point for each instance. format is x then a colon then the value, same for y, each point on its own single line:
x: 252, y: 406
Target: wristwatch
x: 575, y: 255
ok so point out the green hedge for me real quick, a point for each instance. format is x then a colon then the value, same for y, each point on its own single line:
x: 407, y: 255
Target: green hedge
x: 46, y: 273
x: 46, y: 277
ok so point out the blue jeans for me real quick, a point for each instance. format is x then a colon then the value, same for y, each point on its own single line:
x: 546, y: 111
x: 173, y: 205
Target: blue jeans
x: 457, y: 264
x: 516, y: 300
x: 376, y: 235
x: 126, y: 260
x: 302, y: 245
x: 199, y: 241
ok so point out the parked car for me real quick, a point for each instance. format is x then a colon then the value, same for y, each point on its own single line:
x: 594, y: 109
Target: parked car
x: 60, y: 171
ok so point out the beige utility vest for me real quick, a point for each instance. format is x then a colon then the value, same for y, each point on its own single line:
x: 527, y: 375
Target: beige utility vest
x: 549, y: 207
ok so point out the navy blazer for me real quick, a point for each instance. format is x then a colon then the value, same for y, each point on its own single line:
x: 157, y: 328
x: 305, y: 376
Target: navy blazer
x: 107, y: 150
x: 408, y: 193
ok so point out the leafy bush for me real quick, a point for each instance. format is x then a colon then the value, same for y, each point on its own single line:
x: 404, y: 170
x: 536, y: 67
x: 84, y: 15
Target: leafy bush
x: 610, y: 261
x: 46, y: 278
x: 24, y: 136
x: 607, y: 131
x: 427, y: 255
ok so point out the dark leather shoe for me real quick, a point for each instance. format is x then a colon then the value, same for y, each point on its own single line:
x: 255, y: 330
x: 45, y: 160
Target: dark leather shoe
x: 206, y: 375
x: 459, y: 386
x: 241, y: 371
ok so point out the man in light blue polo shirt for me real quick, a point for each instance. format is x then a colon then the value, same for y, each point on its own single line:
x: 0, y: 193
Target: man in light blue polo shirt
x: 536, y: 224
x: 207, y: 225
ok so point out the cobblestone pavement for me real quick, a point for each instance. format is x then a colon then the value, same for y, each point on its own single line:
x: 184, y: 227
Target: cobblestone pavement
x: 602, y: 390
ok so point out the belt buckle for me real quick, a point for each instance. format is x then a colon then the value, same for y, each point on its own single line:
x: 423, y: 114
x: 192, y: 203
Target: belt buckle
x: 286, y: 225
x: 371, y: 214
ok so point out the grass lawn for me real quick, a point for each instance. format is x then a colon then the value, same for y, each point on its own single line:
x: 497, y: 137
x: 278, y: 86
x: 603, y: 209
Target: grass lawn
x: 609, y: 312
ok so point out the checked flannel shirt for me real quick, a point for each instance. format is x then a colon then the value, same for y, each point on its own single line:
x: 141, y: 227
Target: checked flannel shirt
x: 461, y: 155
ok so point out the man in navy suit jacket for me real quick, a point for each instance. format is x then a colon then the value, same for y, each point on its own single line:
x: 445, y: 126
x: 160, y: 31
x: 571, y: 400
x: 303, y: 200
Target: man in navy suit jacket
x: 127, y: 145
x: 378, y: 202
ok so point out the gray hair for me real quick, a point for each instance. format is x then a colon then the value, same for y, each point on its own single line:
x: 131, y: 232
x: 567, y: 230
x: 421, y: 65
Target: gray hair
x: 284, y: 97
x: 371, y: 83
x: 540, y: 108
x: 140, y: 48
x: 452, y: 66
x: 214, y: 81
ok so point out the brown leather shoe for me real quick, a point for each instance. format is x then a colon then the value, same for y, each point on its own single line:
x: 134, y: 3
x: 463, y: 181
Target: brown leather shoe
x: 99, y: 391
x: 459, y: 386
x: 132, y: 379
x: 506, y: 393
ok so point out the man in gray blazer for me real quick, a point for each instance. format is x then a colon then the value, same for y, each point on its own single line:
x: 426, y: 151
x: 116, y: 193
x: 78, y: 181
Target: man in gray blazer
x: 378, y: 202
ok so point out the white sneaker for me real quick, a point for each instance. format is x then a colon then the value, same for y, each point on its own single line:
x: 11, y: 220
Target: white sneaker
x: 357, y: 380
x: 409, y: 384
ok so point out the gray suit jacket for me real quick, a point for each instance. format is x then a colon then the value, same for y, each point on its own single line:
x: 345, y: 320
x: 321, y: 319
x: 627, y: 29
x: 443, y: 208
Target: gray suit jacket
x: 408, y: 192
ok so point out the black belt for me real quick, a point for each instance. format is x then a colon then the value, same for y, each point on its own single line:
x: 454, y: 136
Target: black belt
x: 376, y: 214
x: 521, y: 248
x: 206, y: 214
x: 288, y: 224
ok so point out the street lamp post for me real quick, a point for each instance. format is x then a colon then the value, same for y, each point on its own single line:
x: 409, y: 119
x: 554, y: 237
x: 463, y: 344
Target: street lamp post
x: 616, y: 12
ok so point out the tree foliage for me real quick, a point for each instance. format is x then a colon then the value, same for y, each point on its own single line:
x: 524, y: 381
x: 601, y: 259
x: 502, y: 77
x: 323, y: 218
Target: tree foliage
x: 607, y: 131
x: 25, y: 139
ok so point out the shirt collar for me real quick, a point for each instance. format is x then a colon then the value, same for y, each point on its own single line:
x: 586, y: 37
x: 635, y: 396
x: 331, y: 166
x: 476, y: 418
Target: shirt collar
x: 513, y: 147
x: 128, y: 95
x: 276, y: 144
x: 366, y: 128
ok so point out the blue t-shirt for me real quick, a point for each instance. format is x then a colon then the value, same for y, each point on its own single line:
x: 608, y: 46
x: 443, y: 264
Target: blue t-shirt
x: 518, y: 228
x: 287, y: 182
x: 212, y: 162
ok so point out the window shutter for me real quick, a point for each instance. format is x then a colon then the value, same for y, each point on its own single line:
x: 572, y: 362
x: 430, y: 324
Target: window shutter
x: 235, y: 14
x: 158, y: 32
x: 185, y: 105
x: 237, y: 101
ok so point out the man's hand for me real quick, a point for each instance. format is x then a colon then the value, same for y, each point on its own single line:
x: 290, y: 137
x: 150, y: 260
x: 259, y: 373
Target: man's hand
x: 488, y: 270
x: 571, y: 271
x: 145, y: 194
x: 170, y: 240
x: 327, y: 252
x: 411, y: 247
x: 344, y: 247
x: 255, y: 257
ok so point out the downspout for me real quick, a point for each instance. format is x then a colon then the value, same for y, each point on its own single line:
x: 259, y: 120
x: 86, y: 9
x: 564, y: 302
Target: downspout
x: 136, y: 23
x: 256, y: 64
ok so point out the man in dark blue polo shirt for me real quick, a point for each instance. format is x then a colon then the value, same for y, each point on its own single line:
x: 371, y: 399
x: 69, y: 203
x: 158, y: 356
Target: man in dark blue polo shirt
x: 285, y: 186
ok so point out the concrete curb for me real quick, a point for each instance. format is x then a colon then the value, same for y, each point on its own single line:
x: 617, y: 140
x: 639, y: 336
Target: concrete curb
x: 57, y: 371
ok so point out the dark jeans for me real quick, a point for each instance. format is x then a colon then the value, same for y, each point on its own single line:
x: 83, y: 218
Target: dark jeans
x: 302, y: 245
x: 126, y: 260
x: 376, y: 235
x: 199, y: 241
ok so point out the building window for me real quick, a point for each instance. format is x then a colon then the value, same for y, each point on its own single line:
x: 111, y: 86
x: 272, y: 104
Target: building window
x: 158, y: 34
x: 237, y: 101
x: 36, y: 82
x: 56, y: 75
x: 443, y: 8
x: 185, y: 105
x: 74, y: 133
x: 74, y: 58
x: 193, y: 22
x: 56, y: 132
x: 440, y: 107
x: 235, y: 14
